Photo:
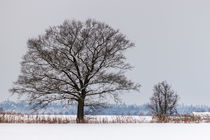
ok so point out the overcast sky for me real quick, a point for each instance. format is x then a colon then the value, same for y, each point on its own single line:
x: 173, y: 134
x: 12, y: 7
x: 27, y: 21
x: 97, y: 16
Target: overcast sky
x: 172, y: 40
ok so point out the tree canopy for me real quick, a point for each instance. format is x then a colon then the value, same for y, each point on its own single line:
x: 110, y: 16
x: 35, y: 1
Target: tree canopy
x: 76, y: 61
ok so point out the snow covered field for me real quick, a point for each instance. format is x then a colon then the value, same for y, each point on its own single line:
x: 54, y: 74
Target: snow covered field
x: 201, y: 113
x: 145, y: 130
x: 141, y: 131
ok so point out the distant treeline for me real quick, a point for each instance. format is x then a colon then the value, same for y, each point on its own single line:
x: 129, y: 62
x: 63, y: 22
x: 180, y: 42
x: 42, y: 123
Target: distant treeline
x: 111, y: 109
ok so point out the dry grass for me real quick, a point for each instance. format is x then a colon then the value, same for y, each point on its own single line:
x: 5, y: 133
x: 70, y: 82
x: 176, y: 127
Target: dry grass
x: 51, y: 119
x: 20, y: 118
x: 181, y: 119
x: 59, y: 119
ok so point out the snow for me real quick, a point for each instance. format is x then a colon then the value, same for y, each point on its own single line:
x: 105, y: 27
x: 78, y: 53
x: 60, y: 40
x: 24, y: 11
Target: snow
x: 109, y: 131
x: 143, y: 131
x: 201, y: 113
x: 110, y: 118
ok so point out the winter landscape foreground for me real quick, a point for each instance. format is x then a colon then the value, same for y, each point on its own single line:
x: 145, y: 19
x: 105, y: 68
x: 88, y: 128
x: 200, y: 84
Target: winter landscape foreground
x: 143, y: 131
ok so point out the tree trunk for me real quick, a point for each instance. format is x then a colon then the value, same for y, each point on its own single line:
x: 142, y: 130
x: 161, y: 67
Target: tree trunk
x: 80, y: 111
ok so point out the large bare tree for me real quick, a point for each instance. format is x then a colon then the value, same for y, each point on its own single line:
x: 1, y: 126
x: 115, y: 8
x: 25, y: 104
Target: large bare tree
x: 77, y: 61
x: 164, y: 100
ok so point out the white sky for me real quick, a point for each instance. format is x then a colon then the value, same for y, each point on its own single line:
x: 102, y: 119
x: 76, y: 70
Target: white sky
x: 172, y: 40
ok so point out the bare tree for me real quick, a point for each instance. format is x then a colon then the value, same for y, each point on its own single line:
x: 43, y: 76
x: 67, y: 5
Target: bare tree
x: 164, y: 100
x: 77, y: 61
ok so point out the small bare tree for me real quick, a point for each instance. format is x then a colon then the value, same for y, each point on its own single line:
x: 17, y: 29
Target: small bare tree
x: 75, y: 62
x: 164, y: 100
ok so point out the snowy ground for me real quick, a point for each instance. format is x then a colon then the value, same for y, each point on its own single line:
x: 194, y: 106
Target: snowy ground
x: 201, y: 113
x: 141, y: 131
